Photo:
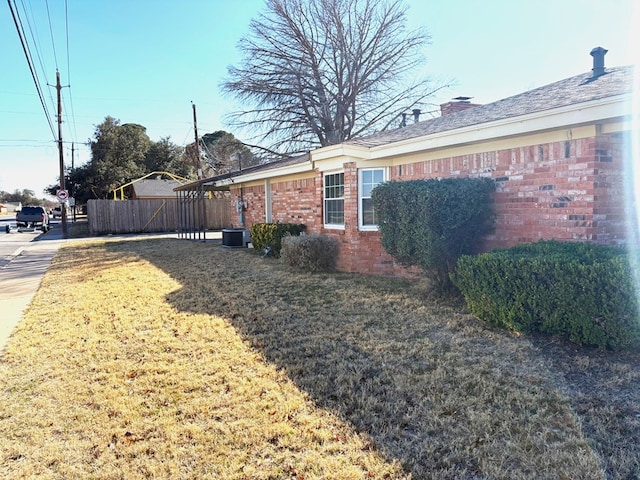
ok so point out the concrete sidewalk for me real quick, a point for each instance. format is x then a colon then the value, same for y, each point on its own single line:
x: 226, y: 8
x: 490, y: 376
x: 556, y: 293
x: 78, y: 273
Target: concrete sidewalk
x: 21, y: 277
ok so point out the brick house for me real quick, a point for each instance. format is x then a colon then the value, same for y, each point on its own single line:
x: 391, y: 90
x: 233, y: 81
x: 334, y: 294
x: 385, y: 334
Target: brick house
x: 560, y: 155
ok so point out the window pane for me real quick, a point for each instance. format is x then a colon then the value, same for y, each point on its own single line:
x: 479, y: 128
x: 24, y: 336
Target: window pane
x: 334, y: 199
x: 369, y: 216
x: 334, y: 185
x: 334, y: 212
x: 370, y: 179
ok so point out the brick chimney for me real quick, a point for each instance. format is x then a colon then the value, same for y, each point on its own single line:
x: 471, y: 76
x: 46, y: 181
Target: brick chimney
x: 457, y: 105
x: 598, y: 54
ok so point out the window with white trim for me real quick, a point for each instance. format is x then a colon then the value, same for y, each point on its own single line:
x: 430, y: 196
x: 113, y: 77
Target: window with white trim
x: 368, y: 179
x: 334, y: 200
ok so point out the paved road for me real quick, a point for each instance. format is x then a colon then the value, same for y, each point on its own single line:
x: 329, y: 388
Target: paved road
x: 12, y: 244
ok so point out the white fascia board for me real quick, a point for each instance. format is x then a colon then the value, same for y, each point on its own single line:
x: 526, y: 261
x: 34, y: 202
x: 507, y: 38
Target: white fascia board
x: 268, y: 173
x: 340, y: 150
x: 565, y: 117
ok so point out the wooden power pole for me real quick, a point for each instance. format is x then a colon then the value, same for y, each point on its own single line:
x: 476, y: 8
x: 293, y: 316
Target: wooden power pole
x: 195, y: 131
x: 63, y: 202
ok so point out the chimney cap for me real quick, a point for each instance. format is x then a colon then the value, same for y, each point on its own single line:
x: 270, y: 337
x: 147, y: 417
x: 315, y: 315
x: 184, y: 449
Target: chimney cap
x: 598, y: 51
x: 598, y: 54
x: 462, y: 99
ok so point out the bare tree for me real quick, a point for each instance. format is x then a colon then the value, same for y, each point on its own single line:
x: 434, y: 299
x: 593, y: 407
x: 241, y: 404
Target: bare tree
x: 224, y: 153
x: 320, y: 72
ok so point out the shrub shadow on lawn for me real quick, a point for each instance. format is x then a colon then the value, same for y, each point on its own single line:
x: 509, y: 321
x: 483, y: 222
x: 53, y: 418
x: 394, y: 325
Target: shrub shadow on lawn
x: 432, y: 387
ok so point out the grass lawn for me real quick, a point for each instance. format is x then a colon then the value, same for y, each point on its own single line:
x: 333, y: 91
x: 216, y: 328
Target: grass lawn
x: 176, y: 359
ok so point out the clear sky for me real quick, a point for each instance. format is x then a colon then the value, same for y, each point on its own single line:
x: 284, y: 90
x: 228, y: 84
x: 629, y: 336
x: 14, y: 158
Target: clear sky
x: 145, y: 61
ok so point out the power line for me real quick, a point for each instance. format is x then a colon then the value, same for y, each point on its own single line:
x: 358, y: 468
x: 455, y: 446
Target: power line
x: 53, y: 43
x: 18, y: 24
x: 32, y: 49
x: 66, y: 23
x: 24, y: 140
x: 35, y: 37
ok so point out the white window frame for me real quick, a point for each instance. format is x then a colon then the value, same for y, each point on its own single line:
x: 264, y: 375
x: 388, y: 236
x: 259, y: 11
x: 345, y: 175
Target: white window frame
x: 361, y: 197
x: 325, y: 200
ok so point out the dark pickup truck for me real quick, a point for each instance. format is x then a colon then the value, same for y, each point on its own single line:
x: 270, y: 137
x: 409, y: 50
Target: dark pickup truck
x: 32, y: 218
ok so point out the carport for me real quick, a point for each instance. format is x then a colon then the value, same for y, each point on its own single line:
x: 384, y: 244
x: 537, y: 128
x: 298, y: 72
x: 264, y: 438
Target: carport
x: 192, y: 206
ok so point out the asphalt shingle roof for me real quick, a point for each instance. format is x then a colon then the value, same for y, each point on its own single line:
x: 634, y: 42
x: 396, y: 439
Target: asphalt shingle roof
x: 570, y: 91
x: 155, y: 188
x: 284, y: 162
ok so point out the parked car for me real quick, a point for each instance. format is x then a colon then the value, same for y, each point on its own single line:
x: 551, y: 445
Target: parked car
x: 32, y: 218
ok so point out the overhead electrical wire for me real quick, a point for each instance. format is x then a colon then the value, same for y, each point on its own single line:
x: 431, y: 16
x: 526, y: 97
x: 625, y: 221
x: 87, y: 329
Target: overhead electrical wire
x: 25, y: 48
x: 53, y: 43
x: 35, y: 48
x: 66, y: 23
x: 33, y: 30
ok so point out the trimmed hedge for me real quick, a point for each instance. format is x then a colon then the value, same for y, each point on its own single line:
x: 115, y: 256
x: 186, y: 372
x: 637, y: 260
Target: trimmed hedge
x: 582, y: 292
x: 265, y: 235
x: 430, y: 223
x: 311, y: 253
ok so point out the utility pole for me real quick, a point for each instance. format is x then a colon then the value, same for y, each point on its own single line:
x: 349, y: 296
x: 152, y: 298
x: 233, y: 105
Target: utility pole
x: 71, y: 192
x: 195, y: 130
x: 202, y: 222
x: 63, y: 209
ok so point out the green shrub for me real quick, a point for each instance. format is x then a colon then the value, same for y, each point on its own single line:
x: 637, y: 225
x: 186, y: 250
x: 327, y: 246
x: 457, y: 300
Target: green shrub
x: 312, y: 253
x: 430, y: 223
x: 582, y: 292
x: 269, y: 235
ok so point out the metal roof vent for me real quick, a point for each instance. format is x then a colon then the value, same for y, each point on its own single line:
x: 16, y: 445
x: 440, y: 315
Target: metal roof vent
x: 598, y: 54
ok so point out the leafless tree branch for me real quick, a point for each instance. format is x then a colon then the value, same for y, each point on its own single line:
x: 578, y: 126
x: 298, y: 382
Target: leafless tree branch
x: 319, y: 73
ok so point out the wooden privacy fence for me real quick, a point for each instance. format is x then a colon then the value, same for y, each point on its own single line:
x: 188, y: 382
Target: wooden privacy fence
x: 144, y: 216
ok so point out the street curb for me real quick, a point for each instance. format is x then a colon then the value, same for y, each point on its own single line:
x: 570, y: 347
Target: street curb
x: 10, y: 258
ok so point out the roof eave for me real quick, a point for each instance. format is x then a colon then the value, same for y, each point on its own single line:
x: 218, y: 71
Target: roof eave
x: 602, y: 110
x: 341, y: 149
x: 263, y: 174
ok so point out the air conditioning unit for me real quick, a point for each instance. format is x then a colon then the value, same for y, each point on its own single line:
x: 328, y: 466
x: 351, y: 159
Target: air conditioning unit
x: 236, y: 237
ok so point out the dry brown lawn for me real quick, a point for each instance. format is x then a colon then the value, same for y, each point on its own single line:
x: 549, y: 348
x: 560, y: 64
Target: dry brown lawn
x: 174, y: 359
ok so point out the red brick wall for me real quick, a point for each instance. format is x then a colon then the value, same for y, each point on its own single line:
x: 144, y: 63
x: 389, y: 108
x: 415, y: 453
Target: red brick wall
x: 296, y: 201
x: 609, y: 220
x: 571, y: 190
x: 292, y: 201
x: 254, y: 197
x: 359, y: 251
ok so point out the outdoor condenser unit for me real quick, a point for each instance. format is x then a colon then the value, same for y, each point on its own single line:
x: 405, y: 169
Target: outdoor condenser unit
x: 235, y: 237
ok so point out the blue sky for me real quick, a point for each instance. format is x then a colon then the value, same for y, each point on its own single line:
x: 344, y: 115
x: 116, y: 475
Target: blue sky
x: 145, y: 61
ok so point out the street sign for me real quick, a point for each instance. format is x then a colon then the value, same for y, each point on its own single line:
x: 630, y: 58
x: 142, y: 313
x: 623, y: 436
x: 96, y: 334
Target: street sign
x: 62, y: 195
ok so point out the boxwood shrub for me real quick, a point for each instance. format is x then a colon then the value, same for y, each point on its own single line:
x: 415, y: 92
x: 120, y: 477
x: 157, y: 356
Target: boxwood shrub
x: 270, y: 235
x: 582, y: 292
